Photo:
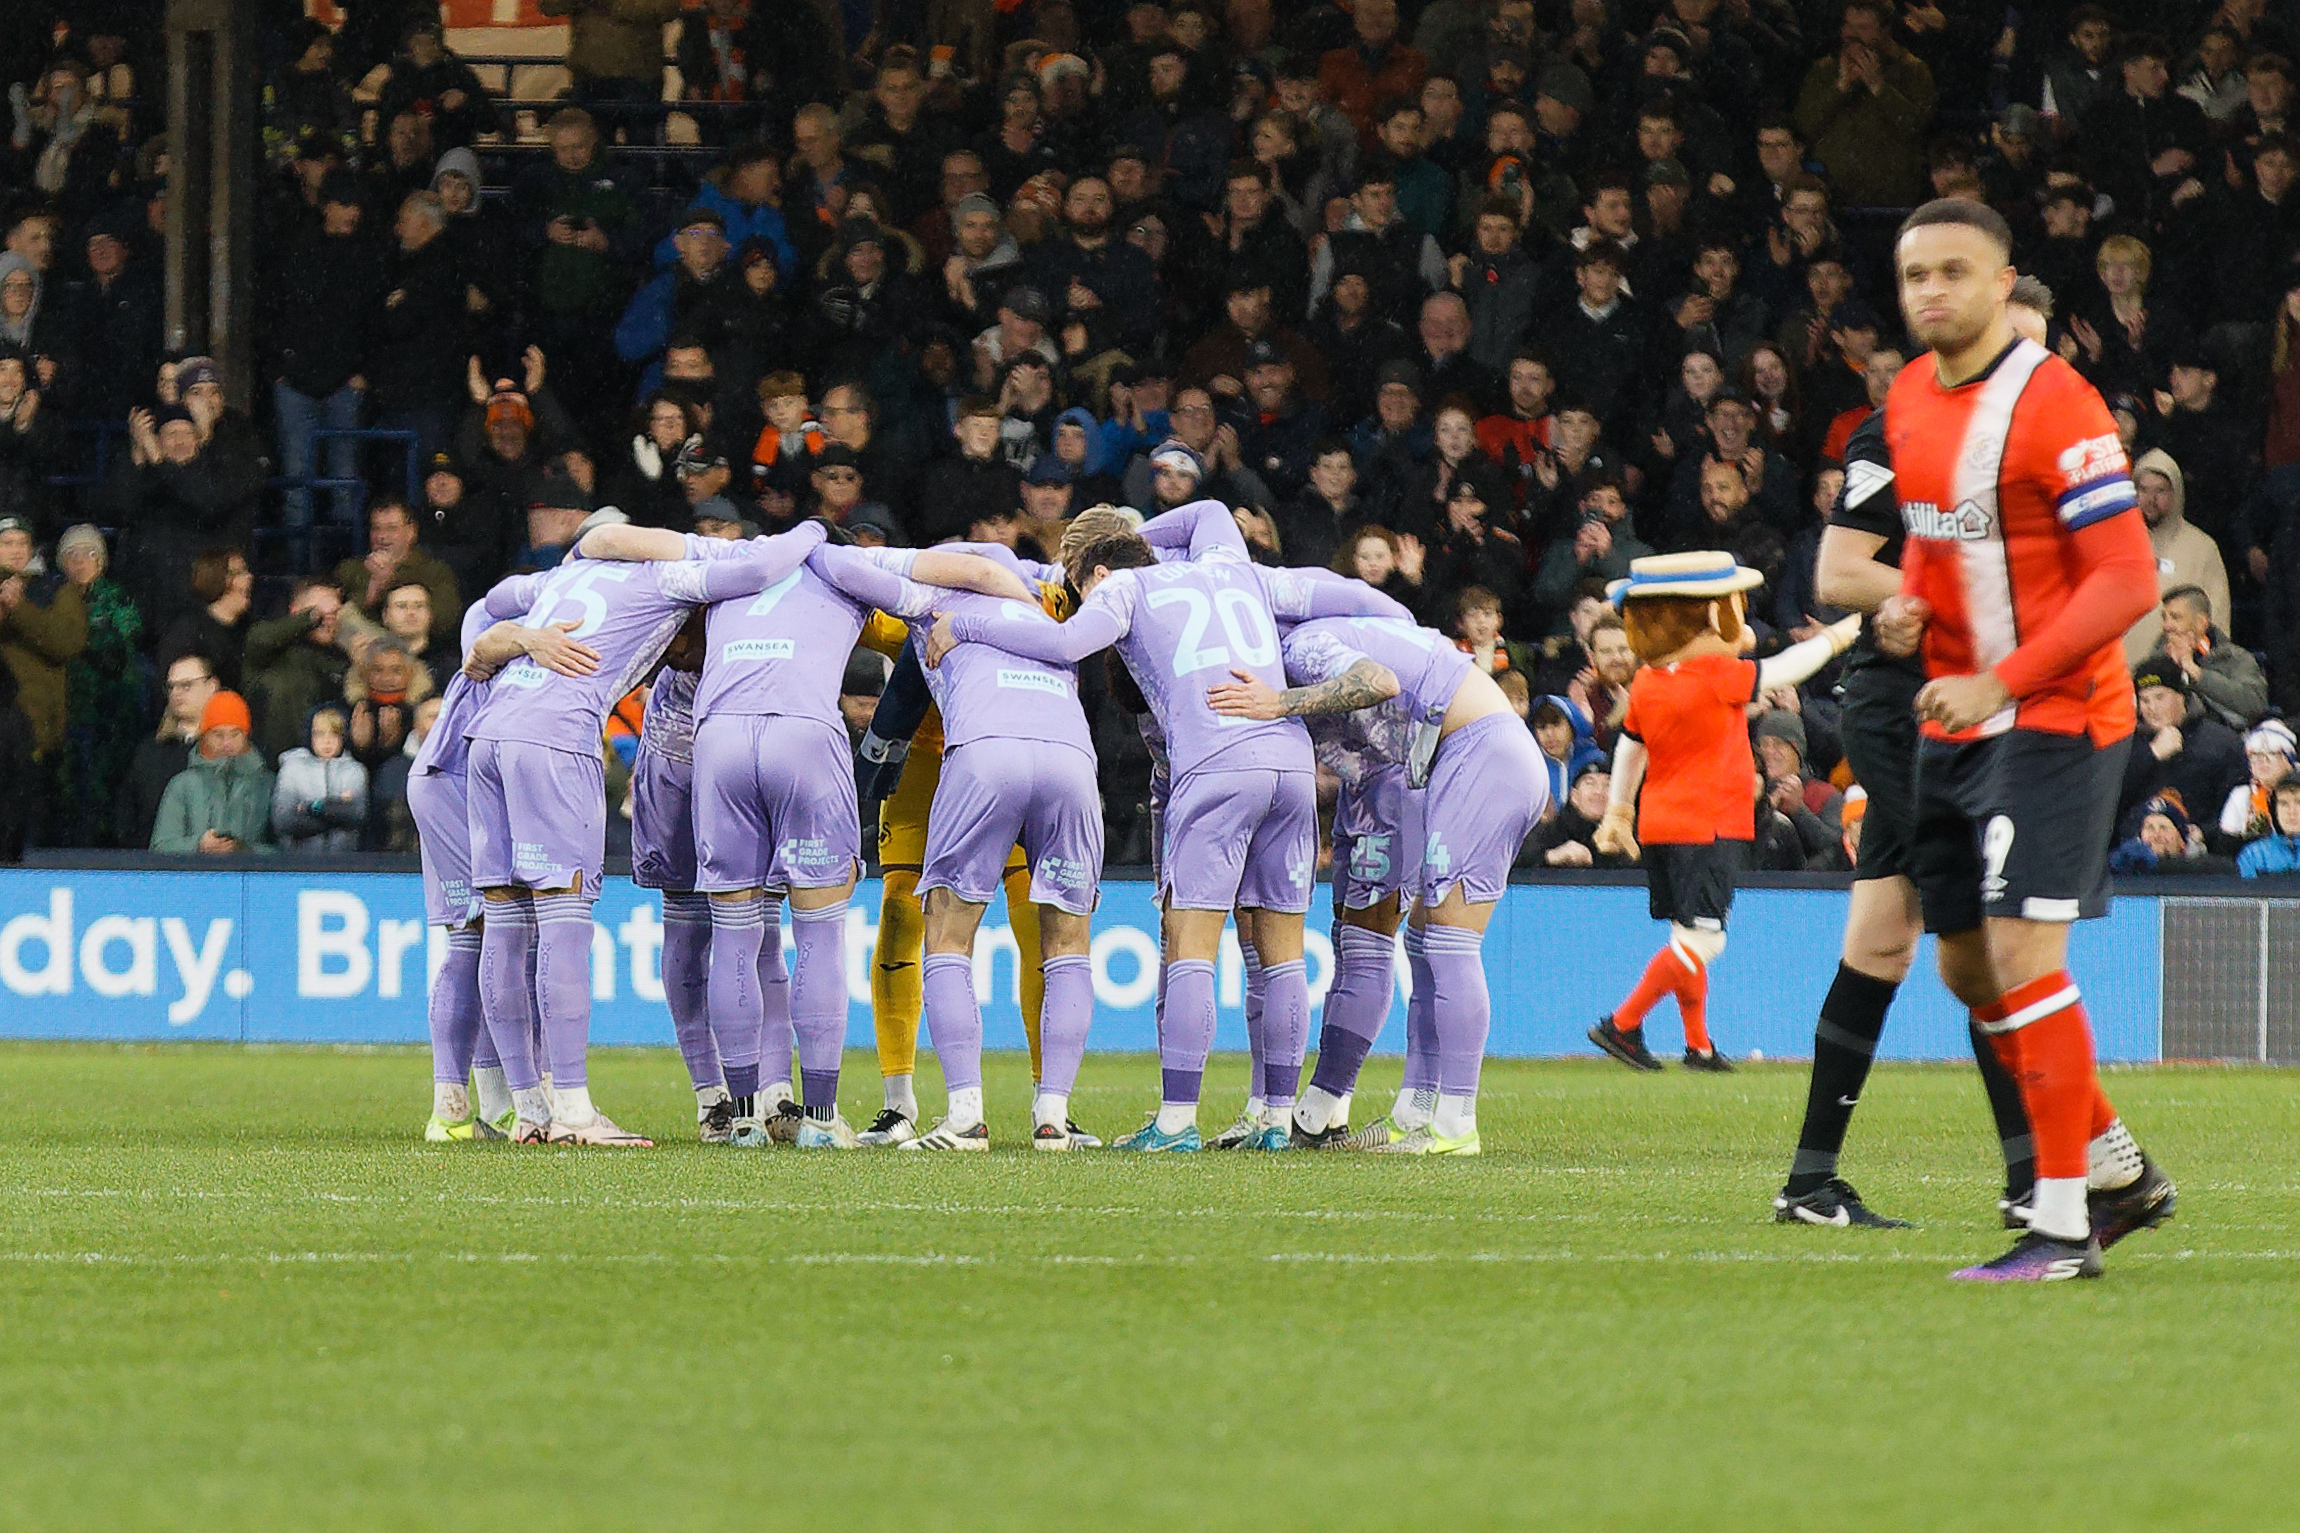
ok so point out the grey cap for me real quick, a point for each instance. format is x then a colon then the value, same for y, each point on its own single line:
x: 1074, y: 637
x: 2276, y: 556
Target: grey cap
x: 972, y: 202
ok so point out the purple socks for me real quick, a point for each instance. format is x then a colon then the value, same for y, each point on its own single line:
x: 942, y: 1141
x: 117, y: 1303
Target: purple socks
x: 1421, y: 1017
x: 737, y: 1013
x: 819, y: 1003
x: 1186, y: 1036
x: 954, y: 1019
x: 507, y: 943
x: 1357, y: 1004
x: 563, y: 983
x: 686, y: 977
x: 1256, y: 989
x: 1063, y: 1019
x: 1463, y: 1009
x: 455, y: 1019
x: 1285, y: 1030
x: 774, y: 996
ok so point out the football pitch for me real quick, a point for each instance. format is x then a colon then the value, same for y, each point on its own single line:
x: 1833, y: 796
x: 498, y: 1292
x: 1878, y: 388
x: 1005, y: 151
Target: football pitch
x: 237, y: 1291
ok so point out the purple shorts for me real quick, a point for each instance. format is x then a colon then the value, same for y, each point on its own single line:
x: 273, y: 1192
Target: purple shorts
x: 538, y: 816
x: 1241, y: 840
x: 435, y: 801
x: 662, y: 823
x: 774, y: 804
x: 1377, y: 839
x: 995, y: 793
x: 1487, y: 787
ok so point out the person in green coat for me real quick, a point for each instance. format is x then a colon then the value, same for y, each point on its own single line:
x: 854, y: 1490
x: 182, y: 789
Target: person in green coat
x: 104, y: 687
x: 222, y: 802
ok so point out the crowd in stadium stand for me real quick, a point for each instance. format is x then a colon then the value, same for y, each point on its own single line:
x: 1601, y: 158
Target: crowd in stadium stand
x: 1477, y: 300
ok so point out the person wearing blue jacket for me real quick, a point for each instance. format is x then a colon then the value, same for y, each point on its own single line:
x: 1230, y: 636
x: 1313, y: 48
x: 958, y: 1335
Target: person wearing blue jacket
x: 1567, y: 739
x: 743, y: 194
x: 2278, y: 852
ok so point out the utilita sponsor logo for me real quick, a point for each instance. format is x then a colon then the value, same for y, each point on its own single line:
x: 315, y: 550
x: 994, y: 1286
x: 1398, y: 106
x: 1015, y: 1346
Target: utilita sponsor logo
x: 1968, y: 523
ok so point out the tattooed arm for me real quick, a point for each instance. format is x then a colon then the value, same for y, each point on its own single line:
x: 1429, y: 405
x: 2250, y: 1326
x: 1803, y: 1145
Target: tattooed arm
x: 1364, y: 684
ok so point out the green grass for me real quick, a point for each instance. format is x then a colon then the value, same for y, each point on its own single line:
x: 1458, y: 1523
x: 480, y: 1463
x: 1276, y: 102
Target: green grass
x: 236, y: 1292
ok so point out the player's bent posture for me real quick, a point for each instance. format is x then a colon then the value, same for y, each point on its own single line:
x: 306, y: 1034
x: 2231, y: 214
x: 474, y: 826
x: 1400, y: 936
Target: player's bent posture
x: 663, y: 859
x: 461, y: 1048
x: 538, y: 799
x: 1481, y: 787
x: 2025, y: 563
x: 1241, y: 822
x: 1685, y: 742
x: 775, y: 800
x: 1017, y: 766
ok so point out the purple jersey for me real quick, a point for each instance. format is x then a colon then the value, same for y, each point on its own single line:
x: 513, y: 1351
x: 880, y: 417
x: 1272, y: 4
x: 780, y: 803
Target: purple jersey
x: 667, y: 728
x: 629, y: 613
x: 1205, y: 529
x: 984, y: 692
x: 1428, y: 667
x: 784, y: 650
x: 1355, y: 745
x: 1181, y: 628
x: 445, y: 748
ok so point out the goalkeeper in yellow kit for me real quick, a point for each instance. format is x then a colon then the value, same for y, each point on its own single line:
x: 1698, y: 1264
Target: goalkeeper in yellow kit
x: 906, y: 713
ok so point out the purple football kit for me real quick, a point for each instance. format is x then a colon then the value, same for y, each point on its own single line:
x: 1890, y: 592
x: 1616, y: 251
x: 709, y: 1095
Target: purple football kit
x: 774, y: 799
x: 1018, y: 765
x: 1241, y: 814
x: 663, y: 859
x: 537, y: 794
x: 436, y: 802
x: 1479, y: 791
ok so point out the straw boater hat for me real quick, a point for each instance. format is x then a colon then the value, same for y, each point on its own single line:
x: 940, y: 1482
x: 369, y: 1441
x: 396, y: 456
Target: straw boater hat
x: 1696, y: 574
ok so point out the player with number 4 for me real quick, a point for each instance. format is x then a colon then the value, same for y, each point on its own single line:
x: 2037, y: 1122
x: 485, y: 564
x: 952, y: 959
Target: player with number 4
x: 1441, y: 787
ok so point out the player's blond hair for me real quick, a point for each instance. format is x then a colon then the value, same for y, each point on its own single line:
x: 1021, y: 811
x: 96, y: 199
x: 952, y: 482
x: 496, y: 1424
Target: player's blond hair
x: 1094, y: 524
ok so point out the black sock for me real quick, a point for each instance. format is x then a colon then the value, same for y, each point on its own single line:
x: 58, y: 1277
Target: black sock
x: 1844, y: 1046
x: 2012, y: 1118
x: 746, y: 1107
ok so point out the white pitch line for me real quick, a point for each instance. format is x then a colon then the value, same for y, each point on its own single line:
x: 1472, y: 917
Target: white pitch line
x: 1050, y: 1258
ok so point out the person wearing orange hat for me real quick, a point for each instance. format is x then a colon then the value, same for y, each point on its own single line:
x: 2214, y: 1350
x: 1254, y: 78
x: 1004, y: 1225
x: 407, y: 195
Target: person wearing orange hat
x: 222, y: 802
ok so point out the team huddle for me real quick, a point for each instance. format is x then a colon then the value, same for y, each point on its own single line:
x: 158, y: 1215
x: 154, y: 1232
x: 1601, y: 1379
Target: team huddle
x: 1981, y: 714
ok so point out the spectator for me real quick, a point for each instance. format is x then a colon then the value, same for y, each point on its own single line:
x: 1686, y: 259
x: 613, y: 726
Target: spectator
x: 685, y: 298
x: 394, y: 556
x: 1598, y: 340
x: 1218, y: 363
x: 2221, y: 675
x: 2270, y: 755
x: 1569, y: 839
x: 216, y: 629
x: 383, y: 689
x: 1601, y: 688
x: 1518, y: 437
x: 1477, y: 633
x: 2184, y: 555
x: 899, y: 138
x: 470, y: 535
x: 175, y: 497
x: 1469, y: 547
x: 1392, y: 564
x: 2077, y: 76
x: 2275, y: 851
x: 644, y: 484
x: 115, y: 323
x: 1375, y: 68
x: 2140, y: 142
x: 220, y: 803
x: 389, y: 826
x: 615, y: 48
x: 1866, y: 109
x: 414, y: 368
x: 431, y: 82
x: 478, y: 235
x: 510, y: 434
x: 30, y: 442
x: 104, y: 686
x: 2165, y: 843
x: 294, y: 664
x: 1398, y: 263
x: 575, y: 216
x: 406, y: 618
x: 319, y: 796
x: 1789, y: 835
x: 1564, y: 735
x: 43, y: 629
x: 190, y: 680
x: 1783, y: 751
x: 1599, y: 548
x: 330, y: 282
x: 1312, y: 526
x: 977, y: 482
x: 1089, y: 276
x: 1448, y: 369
